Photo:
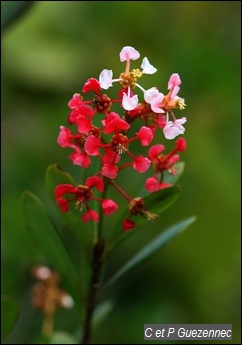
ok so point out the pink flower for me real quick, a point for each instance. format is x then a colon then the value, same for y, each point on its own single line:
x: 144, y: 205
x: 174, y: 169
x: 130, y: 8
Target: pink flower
x: 181, y: 144
x: 83, y: 110
x: 92, y: 145
x: 155, y: 103
x: 95, y: 181
x: 129, y: 53
x: 129, y: 101
x: 111, y: 157
x: 174, y: 81
x: 145, y: 134
x: 80, y: 158
x: 116, y: 125
x: 76, y: 101
x: 155, y: 150
x: 84, y: 124
x: 172, y: 130
x: 141, y: 164
x: 109, y: 206
x: 64, y: 137
x: 109, y: 170
x: 61, y: 190
x: 148, y: 94
x: 90, y: 215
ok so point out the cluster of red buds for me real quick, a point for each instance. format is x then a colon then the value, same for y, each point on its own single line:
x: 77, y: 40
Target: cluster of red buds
x: 105, y: 134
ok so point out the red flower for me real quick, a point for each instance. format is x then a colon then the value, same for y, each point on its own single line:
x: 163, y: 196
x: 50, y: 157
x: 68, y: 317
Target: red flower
x: 181, y: 144
x: 92, y: 84
x: 109, y: 170
x: 152, y: 184
x: 64, y: 137
x: 90, y: 215
x: 155, y: 150
x: 80, y: 158
x: 95, y: 181
x: 141, y: 164
x: 76, y: 101
x: 91, y: 145
x: 128, y: 225
x: 109, y: 206
x: 145, y: 135
x: 82, y: 194
x: 116, y: 125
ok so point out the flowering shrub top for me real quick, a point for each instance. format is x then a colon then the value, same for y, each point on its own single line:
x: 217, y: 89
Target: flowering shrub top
x: 110, y: 139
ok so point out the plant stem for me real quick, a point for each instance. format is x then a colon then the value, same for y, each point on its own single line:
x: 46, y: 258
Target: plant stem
x: 94, y: 284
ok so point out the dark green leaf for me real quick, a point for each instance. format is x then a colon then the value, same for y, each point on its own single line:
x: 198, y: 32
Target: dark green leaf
x: 10, y: 313
x: 149, y: 250
x: 45, y: 235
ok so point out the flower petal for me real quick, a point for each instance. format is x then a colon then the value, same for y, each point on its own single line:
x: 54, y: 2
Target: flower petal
x: 174, y: 80
x: 129, y: 53
x: 141, y: 164
x: 129, y: 103
x: 147, y: 67
x: 148, y: 94
x: 128, y: 225
x: 145, y: 135
x: 105, y: 79
x: 90, y: 215
x: 109, y: 206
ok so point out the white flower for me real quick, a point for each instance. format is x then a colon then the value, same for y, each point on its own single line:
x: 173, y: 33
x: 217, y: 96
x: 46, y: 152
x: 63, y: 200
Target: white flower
x: 147, y: 67
x: 148, y: 94
x: 154, y: 98
x: 106, y: 79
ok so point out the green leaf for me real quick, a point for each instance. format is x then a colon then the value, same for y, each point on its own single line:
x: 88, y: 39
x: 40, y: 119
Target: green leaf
x: 60, y: 337
x: 45, y: 235
x: 179, y: 169
x: 149, y: 250
x: 10, y: 313
x: 155, y: 203
x: 102, y: 312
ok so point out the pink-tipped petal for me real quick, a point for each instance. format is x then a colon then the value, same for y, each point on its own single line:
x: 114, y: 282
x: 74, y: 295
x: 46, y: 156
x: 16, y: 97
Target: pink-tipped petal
x: 129, y: 53
x: 174, y: 80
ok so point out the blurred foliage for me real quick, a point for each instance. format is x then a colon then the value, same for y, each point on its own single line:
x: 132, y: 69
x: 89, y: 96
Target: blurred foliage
x: 47, y: 55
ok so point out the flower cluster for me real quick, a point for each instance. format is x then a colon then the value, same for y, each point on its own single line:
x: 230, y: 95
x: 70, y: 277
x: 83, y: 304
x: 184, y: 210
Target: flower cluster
x: 105, y: 134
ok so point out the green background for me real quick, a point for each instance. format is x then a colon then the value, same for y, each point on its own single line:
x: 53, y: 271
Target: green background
x: 47, y: 55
